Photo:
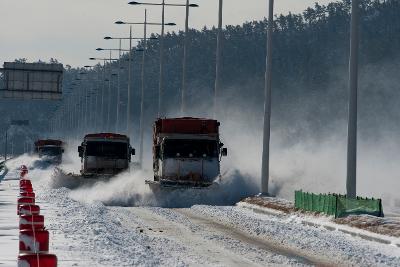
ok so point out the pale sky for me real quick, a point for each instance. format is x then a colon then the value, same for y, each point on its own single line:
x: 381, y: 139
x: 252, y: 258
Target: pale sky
x: 70, y: 30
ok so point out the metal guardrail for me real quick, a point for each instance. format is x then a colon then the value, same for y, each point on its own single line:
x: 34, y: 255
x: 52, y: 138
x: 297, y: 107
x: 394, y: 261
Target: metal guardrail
x: 3, y: 170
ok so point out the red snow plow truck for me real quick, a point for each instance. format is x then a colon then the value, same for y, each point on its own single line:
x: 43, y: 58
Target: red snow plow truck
x: 49, y: 150
x: 186, y: 153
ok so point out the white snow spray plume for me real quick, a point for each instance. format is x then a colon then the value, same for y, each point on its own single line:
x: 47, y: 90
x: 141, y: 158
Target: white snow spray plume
x: 129, y: 188
x: 304, y: 155
x: 39, y: 171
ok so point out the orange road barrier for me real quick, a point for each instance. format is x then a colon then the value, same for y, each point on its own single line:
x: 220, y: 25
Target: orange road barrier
x: 27, y: 194
x: 25, y: 182
x: 33, y: 241
x: 31, y: 222
x: 24, y: 201
x: 29, y: 210
x: 37, y: 260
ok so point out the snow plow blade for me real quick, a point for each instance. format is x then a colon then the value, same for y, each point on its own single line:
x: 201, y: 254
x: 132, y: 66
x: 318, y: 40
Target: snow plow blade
x: 170, y: 184
x: 72, y: 180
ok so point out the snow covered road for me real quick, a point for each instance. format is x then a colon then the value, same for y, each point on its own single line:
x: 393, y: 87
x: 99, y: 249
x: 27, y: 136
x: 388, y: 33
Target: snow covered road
x: 103, y: 233
x: 8, y: 223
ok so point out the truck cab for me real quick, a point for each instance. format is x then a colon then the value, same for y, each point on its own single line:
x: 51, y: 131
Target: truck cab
x: 105, y: 154
x: 49, y: 150
x: 186, y: 152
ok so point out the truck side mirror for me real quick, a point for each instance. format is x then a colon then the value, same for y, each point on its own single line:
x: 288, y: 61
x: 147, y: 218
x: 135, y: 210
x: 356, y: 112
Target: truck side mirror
x: 224, y: 152
x: 80, y: 151
x: 62, y: 150
x: 133, y: 151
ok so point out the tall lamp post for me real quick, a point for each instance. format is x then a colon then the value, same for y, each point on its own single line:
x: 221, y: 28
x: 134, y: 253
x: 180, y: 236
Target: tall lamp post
x: 218, y: 59
x: 351, y: 183
x: 104, y: 80
x: 267, y: 104
x: 145, y: 23
x: 109, y: 82
x: 163, y: 24
x: 91, y: 116
x: 130, y: 58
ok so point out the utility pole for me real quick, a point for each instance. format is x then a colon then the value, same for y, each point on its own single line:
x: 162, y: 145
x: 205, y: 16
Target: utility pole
x: 184, y: 67
x: 118, y: 86
x: 93, y: 103
x: 161, y: 81
x: 5, y: 146
x: 161, y: 78
x: 96, y: 114
x: 128, y: 108
x: 102, y: 95
x: 267, y: 104
x: 141, y: 123
x: 218, y: 58
x: 86, y: 107
x: 352, y: 121
x: 109, y: 95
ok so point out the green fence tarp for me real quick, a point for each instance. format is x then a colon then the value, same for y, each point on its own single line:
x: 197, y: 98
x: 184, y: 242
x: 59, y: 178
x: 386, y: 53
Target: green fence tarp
x: 346, y: 206
x: 337, y: 205
x: 317, y: 203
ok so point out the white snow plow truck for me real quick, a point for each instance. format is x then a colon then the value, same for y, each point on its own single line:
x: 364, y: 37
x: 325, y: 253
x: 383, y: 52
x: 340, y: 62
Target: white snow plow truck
x: 186, y: 153
x: 104, y: 154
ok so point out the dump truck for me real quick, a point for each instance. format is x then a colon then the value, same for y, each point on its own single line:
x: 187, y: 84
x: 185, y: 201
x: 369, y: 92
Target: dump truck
x: 104, y: 154
x: 186, y: 153
x: 49, y: 150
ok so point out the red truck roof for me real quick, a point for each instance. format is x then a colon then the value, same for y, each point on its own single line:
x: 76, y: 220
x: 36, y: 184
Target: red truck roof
x: 107, y: 136
x: 186, y: 125
x: 48, y: 142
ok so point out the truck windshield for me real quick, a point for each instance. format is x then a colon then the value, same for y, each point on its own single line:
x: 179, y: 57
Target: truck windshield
x: 117, y: 150
x: 50, y: 151
x: 183, y: 148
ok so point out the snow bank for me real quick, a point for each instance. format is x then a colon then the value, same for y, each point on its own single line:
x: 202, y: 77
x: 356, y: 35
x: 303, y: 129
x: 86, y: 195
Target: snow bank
x: 130, y: 190
x: 337, y: 247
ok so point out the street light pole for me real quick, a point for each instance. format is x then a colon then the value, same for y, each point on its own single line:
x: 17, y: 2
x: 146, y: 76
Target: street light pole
x: 161, y: 79
x: 141, y: 122
x: 85, y: 128
x: 185, y: 44
x: 102, y: 115
x: 93, y: 102
x: 92, y: 107
x: 102, y: 95
x: 218, y: 58
x: 118, y: 87
x: 96, y: 114
x: 351, y: 183
x: 267, y: 104
x: 128, y: 115
x: 109, y: 94
x: 5, y: 146
x: 130, y: 59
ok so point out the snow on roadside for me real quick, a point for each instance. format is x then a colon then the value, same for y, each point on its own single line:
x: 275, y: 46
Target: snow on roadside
x: 224, y: 240
x: 9, y: 230
x: 318, y: 242
x: 85, y: 231
x: 384, y: 226
x: 382, y: 229
x: 94, y: 234
x: 116, y: 236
